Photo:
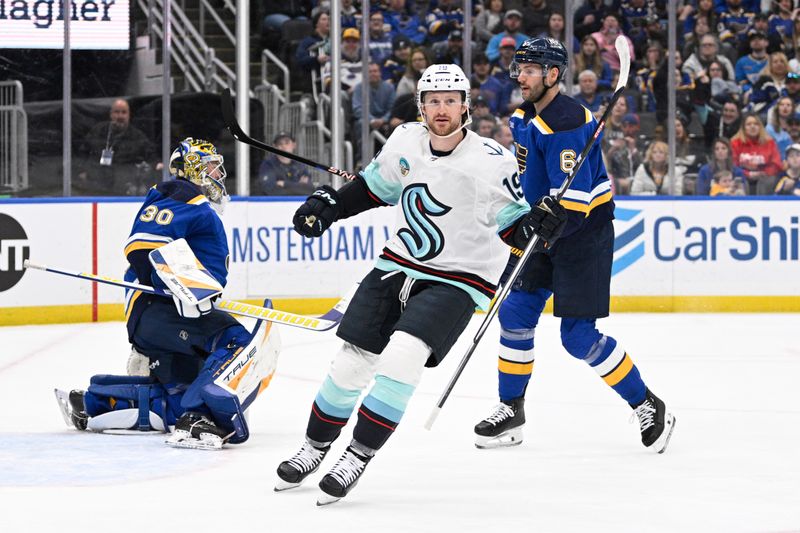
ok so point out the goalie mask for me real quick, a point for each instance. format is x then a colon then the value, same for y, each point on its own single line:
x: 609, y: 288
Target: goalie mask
x: 197, y: 160
x: 444, y: 77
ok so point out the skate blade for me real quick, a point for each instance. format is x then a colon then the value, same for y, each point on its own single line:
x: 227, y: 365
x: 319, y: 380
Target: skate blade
x: 62, y: 397
x: 512, y: 437
x: 183, y: 439
x: 326, y: 499
x: 660, y: 445
x: 282, y: 485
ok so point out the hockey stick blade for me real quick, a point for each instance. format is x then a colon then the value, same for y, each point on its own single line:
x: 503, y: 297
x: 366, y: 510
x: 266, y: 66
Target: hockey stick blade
x: 621, y: 45
x: 326, y: 322
x: 229, y: 117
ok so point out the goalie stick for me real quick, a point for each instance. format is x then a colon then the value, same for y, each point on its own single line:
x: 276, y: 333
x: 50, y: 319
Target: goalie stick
x: 621, y: 45
x: 229, y: 117
x: 327, y: 321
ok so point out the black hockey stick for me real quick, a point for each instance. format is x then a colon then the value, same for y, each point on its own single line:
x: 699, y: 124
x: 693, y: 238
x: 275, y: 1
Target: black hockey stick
x: 621, y: 45
x: 229, y: 117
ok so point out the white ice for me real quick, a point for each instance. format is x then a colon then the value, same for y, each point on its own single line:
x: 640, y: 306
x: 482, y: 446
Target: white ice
x: 732, y: 466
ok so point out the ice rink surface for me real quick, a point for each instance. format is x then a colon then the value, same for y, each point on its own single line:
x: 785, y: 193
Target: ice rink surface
x: 733, y: 464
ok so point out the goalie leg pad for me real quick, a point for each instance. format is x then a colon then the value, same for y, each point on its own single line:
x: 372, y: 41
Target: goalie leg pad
x: 133, y: 394
x: 234, y: 375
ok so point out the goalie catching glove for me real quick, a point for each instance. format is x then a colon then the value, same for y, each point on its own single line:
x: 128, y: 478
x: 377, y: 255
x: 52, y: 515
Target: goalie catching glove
x: 319, y: 211
x: 547, y: 219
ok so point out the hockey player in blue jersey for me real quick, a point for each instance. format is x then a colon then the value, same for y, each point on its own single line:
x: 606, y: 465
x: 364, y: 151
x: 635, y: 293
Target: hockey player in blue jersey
x: 176, y: 348
x: 574, y: 266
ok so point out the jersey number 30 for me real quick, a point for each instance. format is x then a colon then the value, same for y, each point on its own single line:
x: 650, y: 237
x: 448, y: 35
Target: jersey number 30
x: 152, y: 213
x: 567, y: 160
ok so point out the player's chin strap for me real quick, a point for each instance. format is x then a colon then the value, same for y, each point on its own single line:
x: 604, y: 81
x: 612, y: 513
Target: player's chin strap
x: 547, y: 87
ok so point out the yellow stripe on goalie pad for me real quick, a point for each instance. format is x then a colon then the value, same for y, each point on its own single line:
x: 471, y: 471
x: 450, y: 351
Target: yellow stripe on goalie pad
x: 509, y: 367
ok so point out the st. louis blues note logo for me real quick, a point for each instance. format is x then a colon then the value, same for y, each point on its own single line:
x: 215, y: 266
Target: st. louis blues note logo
x: 404, y: 166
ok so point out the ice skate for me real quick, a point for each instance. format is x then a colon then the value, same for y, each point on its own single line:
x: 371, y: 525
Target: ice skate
x: 73, y: 408
x: 197, y: 432
x: 305, y: 462
x: 503, y: 427
x: 655, y: 422
x: 343, y: 476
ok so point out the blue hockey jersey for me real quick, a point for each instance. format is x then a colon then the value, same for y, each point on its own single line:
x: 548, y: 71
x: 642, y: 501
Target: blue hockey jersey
x: 172, y: 210
x: 547, y: 146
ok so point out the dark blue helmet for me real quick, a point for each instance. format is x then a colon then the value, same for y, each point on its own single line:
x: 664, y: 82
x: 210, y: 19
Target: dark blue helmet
x: 545, y: 51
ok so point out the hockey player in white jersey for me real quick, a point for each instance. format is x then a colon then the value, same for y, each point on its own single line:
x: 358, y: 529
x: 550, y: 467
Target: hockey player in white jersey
x: 443, y: 261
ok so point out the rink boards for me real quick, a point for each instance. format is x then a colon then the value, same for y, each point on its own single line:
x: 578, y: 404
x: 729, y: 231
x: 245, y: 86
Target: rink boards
x: 681, y: 254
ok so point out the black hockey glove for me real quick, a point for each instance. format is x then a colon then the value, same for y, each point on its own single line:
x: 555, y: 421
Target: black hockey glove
x: 316, y: 215
x: 547, y: 219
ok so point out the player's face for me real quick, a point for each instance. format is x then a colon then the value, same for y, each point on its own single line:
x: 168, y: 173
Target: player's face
x: 443, y: 110
x: 531, y: 82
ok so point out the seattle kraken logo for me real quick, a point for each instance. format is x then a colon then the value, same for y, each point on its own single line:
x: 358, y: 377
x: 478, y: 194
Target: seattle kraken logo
x: 424, y: 240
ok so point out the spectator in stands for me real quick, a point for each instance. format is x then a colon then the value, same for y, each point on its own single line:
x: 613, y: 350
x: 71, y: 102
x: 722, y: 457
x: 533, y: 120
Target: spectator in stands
x: 789, y: 181
x: 684, y: 90
x: 116, y: 157
x: 555, y: 30
x: 606, y: 37
x: 381, y: 101
x: 761, y: 24
x: 380, y: 43
x: 724, y: 184
x: 770, y: 84
x: 702, y: 59
x: 724, y: 123
x: 501, y: 66
x: 394, y: 67
x: 734, y: 20
x: 781, y: 22
x: 721, y: 159
x: 778, y: 123
x: 491, y: 88
x: 512, y: 24
x: 792, y: 89
x: 690, y: 14
x: 722, y: 86
x: 418, y: 61
x: 484, y: 125
x: 587, y: 95
x: 588, y: 58
x: 275, y: 14
x: 688, y: 156
x: 794, y: 128
x: 623, y: 155
x: 487, y: 22
x: 444, y: 19
x: 451, y: 50
x: 403, y: 22
x: 350, y: 65
x: 794, y: 50
x: 652, y: 177
x: 652, y: 31
x: 312, y: 52
x: 502, y: 134
x: 654, y: 56
x: 692, y: 42
x: 614, y: 123
x: 535, y: 15
x: 351, y: 17
x: 589, y: 17
x: 755, y: 151
x: 748, y: 68
x: 280, y: 175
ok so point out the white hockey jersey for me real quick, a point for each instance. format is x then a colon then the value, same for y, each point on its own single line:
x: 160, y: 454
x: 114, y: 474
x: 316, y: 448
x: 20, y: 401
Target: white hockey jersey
x: 452, y: 209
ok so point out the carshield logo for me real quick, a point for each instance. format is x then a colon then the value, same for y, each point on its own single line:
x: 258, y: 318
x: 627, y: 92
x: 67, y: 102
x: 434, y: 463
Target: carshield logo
x: 629, y: 241
x: 14, y: 250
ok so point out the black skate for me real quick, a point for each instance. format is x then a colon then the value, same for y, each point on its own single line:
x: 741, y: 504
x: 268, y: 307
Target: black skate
x: 343, y: 476
x: 305, y: 462
x: 503, y: 427
x: 197, y: 431
x: 655, y: 422
x: 73, y: 408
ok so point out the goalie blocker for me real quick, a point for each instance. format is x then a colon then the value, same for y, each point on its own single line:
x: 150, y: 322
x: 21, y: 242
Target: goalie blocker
x: 231, y: 378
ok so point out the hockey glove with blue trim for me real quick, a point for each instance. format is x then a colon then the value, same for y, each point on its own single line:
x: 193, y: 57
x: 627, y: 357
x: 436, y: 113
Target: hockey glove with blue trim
x: 547, y: 219
x: 319, y: 211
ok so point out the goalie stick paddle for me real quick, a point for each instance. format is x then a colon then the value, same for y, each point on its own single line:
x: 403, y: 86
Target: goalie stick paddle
x: 229, y: 117
x: 327, y: 321
x: 621, y: 44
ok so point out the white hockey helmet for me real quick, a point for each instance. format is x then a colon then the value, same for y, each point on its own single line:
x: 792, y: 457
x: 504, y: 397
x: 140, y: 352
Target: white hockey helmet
x: 445, y: 77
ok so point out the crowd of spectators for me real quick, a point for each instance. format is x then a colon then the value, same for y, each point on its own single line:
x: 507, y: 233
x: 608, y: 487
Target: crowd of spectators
x: 737, y: 79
